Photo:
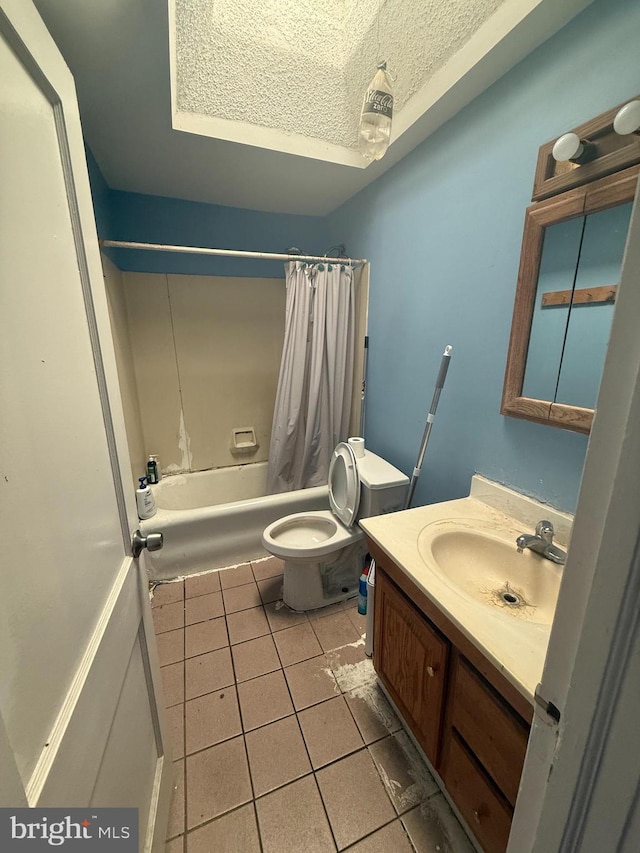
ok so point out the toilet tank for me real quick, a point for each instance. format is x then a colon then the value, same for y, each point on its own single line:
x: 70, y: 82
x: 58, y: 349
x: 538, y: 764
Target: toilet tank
x: 383, y: 488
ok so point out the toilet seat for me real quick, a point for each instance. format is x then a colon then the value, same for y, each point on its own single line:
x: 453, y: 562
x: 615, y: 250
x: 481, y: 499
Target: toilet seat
x: 307, y: 535
x: 344, y: 484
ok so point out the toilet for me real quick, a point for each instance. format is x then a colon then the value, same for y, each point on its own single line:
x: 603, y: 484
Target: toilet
x: 324, y: 551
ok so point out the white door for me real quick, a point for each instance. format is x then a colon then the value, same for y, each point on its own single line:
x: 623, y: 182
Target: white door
x: 81, y: 720
x: 580, y: 788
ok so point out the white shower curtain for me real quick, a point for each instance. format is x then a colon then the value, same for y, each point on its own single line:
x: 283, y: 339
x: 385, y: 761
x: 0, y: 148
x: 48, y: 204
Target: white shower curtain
x: 313, y: 400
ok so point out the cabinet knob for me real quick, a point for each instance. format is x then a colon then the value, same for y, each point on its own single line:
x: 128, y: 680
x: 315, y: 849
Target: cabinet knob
x: 431, y: 671
x: 478, y: 814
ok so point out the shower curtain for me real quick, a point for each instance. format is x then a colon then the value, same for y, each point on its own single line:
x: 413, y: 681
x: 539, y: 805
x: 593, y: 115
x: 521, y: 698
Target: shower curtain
x: 313, y: 400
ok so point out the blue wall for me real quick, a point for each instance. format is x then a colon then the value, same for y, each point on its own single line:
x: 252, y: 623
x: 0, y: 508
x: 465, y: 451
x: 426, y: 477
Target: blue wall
x: 156, y: 219
x: 443, y: 230
x: 101, y: 195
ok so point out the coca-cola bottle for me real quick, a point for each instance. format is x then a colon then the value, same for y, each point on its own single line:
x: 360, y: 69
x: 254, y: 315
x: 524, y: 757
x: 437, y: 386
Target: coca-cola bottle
x: 375, y: 121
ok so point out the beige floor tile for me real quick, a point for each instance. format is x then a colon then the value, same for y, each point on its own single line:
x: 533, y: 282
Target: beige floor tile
x: 310, y: 682
x: 372, y: 712
x: 209, y: 672
x: 267, y: 568
x: 236, y: 576
x: 205, y: 637
x: 217, y: 781
x: 358, y: 621
x: 328, y: 610
x: 292, y: 820
x: 167, y: 593
x: 168, y: 617
x: 241, y: 597
x: 211, y: 719
x: 280, y: 617
x: 329, y: 731
x: 176, y: 845
x: 270, y: 589
x: 390, y: 839
x: 335, y: 631
x: 355, y: 798
x: 170, y: 647
x: 175, y: 726
x: 403, y: 772
x: 264, y: 700
x: 351, y: 667
x: 173, y: 683
x: 296, y: 644
x: 202, y: 585
x: 235, y: 832
x: 176, y: 809
x: 433, y: 826
x: 203, y: 607
x: 277, y: 755
x: 254, y: 658
x: 246, y: 625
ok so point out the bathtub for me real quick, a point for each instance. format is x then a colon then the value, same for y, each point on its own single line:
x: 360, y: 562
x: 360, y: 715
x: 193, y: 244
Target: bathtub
x: 211, y: 519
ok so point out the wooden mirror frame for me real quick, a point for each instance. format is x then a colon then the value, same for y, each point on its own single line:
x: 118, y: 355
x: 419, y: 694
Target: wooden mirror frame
x: 609, y: 191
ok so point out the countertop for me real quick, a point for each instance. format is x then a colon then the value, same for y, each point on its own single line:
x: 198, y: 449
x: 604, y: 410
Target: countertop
x: 517, y: 648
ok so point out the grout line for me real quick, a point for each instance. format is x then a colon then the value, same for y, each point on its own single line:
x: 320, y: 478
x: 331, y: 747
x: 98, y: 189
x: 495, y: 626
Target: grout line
x: 306, y: 748
x: 378, y: 829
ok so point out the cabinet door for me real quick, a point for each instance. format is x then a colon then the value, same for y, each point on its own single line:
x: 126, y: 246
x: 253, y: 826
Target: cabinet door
x: 410, y: 657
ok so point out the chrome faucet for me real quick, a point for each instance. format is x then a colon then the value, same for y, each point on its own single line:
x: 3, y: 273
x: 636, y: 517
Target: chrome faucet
x: 542, y: 543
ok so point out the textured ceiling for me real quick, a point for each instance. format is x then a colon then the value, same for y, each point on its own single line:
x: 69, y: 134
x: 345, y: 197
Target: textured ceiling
x: 302, y: 67
x: 119, y: 53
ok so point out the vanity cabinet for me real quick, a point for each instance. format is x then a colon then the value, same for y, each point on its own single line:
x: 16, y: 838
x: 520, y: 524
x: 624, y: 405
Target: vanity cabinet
x: 413, y: 657
x: 472, y: 724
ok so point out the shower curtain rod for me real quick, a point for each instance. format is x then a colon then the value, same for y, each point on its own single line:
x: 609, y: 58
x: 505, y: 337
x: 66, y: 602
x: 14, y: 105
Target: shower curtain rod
x: 230, y: 253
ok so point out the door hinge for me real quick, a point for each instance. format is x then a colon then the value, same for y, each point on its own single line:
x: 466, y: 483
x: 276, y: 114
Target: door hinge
x: 548, y: 707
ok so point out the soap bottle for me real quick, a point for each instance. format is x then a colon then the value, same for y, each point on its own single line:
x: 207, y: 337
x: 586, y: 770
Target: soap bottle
x: 152, y: 470
x: 144, y: 500
x: 362, y: 591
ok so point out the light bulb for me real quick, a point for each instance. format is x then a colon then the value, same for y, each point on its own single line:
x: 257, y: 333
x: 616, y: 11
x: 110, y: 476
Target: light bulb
x: 627, y: 119
x: 568, y: 147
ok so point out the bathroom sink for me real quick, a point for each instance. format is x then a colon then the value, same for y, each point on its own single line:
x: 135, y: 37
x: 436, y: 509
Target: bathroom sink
x: 484, y: 563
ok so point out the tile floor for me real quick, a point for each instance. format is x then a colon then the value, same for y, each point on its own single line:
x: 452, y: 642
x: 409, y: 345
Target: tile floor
x: 282, y: 740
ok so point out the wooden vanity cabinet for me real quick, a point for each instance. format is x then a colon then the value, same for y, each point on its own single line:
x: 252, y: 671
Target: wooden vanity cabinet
x: 411, y: 656
x: 470, y: 721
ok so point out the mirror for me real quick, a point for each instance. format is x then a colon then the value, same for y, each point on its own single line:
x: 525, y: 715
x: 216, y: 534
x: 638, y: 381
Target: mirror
x: 570, y: 263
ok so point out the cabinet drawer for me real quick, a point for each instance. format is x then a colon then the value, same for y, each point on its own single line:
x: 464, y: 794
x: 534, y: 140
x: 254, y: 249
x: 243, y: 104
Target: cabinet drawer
x: 486, y: 812
x: 493, y: 732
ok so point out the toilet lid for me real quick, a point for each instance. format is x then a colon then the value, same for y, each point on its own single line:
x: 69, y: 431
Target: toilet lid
x: 344, y: 484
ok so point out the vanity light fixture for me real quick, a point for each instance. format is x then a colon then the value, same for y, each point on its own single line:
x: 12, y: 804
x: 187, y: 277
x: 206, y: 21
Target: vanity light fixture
x: 627, y: 119
x: 570, y: 147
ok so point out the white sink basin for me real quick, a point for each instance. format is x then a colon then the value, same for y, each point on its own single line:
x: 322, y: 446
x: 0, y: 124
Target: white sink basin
x: 483, y: 563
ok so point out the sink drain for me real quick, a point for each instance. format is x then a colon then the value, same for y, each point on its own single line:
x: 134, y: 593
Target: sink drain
x: 510, y: 600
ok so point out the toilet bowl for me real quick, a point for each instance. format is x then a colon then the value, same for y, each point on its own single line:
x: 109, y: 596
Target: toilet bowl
x: 307, y: 535
x: 324, y: 551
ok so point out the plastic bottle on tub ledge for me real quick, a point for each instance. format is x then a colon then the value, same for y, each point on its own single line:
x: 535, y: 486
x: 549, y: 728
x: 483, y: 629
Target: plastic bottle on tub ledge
x: 153, y: 472
x: 144, y: 500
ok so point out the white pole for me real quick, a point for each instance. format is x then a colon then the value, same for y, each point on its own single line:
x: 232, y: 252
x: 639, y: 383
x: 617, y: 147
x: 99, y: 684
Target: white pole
x: 442, y: 375
x: 229, y: 253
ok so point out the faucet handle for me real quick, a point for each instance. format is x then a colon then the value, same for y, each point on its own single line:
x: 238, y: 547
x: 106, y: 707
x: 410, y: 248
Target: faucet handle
x: 544, y: 529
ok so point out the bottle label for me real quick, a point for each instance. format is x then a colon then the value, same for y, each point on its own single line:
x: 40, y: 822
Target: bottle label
x: 380, y: 103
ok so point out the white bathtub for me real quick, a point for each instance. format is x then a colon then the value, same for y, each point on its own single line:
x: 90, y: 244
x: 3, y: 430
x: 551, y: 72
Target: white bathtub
x: 212, y: 519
